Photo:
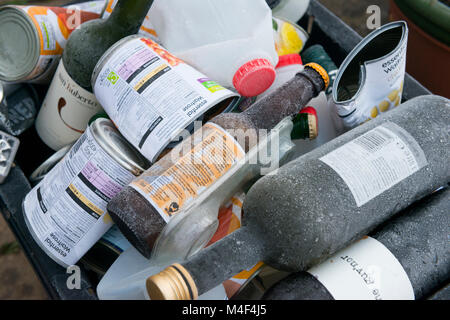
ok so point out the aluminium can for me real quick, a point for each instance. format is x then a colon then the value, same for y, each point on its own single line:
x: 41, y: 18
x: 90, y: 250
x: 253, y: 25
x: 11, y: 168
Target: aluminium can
x: 66, y: 212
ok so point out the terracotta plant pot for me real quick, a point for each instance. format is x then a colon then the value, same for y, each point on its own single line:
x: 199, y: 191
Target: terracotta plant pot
x: 428, y: 60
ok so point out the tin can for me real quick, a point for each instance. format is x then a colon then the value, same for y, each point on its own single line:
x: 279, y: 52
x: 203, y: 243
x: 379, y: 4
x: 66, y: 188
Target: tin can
x: 152, y: 96
x: 18, y: 107
x: 97, y: 6
x: 289, y: 37
x: 39, y: 174
x: 33, y: 38
x: 370, y: 80
x: 66, y: 212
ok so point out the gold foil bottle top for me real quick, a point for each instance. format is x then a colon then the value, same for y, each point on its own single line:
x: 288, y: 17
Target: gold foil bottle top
x: 323, y: 73
x: 173, y: 283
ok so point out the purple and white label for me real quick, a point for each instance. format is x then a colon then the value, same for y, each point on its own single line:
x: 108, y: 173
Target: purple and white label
x: 66, y: 211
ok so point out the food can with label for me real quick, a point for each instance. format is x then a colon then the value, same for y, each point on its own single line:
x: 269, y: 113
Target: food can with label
x: 33, y: 38
x: 152, y: 96
x: 370, y: 80
x: 96, y: 6
x: 66, y: 212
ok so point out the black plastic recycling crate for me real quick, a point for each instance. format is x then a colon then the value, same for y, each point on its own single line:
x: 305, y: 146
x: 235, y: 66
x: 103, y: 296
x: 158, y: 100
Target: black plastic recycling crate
x: 333, y: 34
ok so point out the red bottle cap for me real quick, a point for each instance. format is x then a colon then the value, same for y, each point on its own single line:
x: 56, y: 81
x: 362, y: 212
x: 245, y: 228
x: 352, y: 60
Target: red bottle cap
x: 313, y: 121
x: 254, y: 77
x: 289, y: 59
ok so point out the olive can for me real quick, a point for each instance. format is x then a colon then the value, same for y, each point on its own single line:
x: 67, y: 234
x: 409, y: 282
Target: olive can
x: 66, y: 212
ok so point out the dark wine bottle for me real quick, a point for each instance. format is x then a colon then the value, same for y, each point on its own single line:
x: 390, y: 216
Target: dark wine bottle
x: 320, y: 203
x: 87, y: 44
x: 417, y: 239
x: 142, y: 209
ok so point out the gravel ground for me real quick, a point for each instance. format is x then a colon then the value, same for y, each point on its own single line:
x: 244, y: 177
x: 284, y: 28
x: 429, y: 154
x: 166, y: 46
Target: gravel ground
x: 18, y: 279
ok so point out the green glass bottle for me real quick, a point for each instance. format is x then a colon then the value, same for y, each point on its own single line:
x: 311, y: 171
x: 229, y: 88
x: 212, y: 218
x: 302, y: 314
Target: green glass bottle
x: 87, y: 44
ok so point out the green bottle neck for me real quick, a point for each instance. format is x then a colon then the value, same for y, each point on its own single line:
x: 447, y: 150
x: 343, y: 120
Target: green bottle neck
x: 87, y: 44
x: 301, y: 127
x: 128, y: 15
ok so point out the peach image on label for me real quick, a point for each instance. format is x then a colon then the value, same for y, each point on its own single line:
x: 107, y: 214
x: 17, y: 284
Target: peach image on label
x: 384, y: 106
x: 374, y: 112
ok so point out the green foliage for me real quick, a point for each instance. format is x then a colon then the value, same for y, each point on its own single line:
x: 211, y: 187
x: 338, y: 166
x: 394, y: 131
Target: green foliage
x: 9, y: 248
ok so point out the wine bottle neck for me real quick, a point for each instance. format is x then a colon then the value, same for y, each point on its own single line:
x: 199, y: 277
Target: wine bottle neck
x: 208, y: 268
x: 287, y: 100
x: 127, y: 16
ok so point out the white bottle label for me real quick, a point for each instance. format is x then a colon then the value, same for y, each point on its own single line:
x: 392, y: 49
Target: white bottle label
x: 366, y: 270
x: 66, y: 211
x: 152, y: 96
x: 66, y: 111
x: 376, y: 161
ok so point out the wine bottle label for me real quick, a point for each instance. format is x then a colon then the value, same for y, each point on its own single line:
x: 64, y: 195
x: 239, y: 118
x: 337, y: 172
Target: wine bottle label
x: 376, y: 161
x: 151, y: 95
x: 366, y: 270
x: 54, y: 26
x: 66, y: 111
x: 170, y: 185
x: 66, y: 211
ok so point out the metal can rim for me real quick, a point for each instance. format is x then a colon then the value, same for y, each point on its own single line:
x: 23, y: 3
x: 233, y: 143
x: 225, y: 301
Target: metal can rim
x: 35, y: 44
x: 128, y: 158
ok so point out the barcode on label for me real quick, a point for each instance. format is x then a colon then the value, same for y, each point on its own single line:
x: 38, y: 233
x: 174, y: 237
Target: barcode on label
x: 78, y: 144
x: 374, y: 140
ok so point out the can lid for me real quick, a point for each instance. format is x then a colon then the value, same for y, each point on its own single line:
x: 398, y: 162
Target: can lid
x: 320, y: 70
x: 289, y: 59
x: 20, y: 45
x: 107, y: 135
x: 254, y: 77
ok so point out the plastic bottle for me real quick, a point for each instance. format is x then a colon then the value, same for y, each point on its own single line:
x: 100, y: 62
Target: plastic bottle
x: 318, y: 204
x: 291, y: 10
x: 231, y: 41
x: 413, y: 263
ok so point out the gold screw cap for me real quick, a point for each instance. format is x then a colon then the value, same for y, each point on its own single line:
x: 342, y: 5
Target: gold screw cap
x: 173, y: 283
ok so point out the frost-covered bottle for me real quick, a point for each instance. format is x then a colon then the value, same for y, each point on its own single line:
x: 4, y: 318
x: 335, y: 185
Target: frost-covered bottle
x: 408, y: 258
x: 318, y: 204
x: 143, y: 208
x: 70, y: 103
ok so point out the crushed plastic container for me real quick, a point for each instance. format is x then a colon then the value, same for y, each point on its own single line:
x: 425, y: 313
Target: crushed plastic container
x: 231, y: 41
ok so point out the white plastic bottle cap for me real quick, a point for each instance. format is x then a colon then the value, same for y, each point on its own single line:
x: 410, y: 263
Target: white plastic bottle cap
x: 254, y: 77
